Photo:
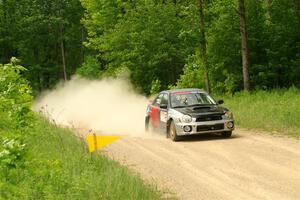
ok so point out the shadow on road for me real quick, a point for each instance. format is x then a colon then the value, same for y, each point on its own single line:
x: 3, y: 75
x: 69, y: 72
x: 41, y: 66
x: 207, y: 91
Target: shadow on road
x: 206, y: 137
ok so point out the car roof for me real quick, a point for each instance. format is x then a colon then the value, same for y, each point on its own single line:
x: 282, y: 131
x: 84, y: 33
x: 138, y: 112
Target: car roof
x: 183, y: 90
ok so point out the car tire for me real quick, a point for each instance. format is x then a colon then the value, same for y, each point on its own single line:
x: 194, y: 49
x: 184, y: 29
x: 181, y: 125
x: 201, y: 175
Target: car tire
x: 227, y: 134
x: 172, y: 132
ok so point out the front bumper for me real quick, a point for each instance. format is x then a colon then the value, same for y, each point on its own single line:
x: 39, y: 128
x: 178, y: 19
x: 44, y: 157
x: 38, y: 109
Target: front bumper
x: 217, y: 126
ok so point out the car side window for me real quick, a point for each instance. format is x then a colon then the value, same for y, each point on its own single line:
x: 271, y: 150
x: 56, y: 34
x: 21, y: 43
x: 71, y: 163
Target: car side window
x: 158, y: 100
x: 164, y: 99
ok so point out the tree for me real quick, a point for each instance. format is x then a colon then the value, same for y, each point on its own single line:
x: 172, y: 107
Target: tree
x: 244, y: 42
x: 187, y: 43
x: 8, y: 30
x: 144, y: 39
x: 297, y: 8
x: 45, y: 35
x: 62, y: 47
x: 203, y: 45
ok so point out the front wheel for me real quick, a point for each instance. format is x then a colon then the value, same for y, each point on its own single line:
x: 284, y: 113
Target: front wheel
x: 227, y: 134
x: 172, y: 132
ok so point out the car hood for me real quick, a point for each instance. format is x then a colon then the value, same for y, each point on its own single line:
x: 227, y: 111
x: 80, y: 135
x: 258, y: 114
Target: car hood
x: 202, y: 110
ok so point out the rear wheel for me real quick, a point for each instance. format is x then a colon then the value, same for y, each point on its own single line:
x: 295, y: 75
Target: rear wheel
x: 172, y: 132
x: 227, y: 134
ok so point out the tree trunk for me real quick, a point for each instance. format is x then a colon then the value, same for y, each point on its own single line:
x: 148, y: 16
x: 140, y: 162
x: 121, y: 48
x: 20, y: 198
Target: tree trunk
x: 203, y: 44
x: 82, y: 46
x: 244, y: 44
x: 62, y: 48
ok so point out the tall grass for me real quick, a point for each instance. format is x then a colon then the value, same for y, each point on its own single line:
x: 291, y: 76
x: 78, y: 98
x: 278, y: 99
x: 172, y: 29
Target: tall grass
x: 57, y: 166
x: 276, y: 111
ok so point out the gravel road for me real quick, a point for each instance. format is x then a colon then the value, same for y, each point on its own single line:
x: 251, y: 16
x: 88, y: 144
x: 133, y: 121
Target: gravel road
x: 247, y: 166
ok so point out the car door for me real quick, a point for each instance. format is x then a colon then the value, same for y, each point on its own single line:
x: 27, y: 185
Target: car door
x: 155, y: 111
x: 163, y: 111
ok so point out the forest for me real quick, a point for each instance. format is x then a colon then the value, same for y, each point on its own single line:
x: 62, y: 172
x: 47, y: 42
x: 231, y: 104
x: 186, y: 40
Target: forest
x: 246, y: 52
x: 223, y: 46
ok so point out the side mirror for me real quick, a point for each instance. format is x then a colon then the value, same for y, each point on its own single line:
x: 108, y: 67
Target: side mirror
x: 163, y: 106
x: 220, y: 101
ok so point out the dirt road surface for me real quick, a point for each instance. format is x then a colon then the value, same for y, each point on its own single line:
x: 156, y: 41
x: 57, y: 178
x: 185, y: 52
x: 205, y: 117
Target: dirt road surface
x: 247, y: 166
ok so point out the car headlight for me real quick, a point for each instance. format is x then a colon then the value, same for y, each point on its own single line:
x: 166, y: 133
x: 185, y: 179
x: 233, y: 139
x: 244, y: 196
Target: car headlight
x: 227, y: 115
x: 186, y: 118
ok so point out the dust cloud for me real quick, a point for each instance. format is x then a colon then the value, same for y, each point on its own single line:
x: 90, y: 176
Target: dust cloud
x: 109, y: 106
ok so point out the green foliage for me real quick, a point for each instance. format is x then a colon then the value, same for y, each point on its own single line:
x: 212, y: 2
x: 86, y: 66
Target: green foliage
x: 155, y: 87
x: 91, y: 68
x: 152, y: 40
x: 143, y: 38
x: 12, y: 153
x: 34, y: 31
x: 275, y: 111
x: 58, y: 167
x: 15, y: 93
x: 55, y: 163
x: 223, y: 39
x: 193, y: 73
x: 15, y: 112
x: 267, y: 34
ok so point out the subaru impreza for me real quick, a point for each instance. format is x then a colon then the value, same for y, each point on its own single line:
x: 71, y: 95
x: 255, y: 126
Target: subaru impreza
x: 187, y: 112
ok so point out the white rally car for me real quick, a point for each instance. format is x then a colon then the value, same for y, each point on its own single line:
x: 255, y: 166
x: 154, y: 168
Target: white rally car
x: 186, y: 112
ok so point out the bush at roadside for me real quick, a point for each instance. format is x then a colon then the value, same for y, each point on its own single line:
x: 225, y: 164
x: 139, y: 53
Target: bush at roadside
x: 275, y: 111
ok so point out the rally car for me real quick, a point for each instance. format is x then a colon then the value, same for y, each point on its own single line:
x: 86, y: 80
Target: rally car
x: 186, y: 112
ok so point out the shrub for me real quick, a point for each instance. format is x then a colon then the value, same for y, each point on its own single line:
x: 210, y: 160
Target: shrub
x: 12, y: 153
x: 91, y: 68
x: 15, y: 93
x: 275, y: 111
x: 155, y: 87
x: 193, y: 74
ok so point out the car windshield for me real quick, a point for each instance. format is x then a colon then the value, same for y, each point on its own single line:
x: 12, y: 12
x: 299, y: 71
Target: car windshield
x: 184, y: 99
